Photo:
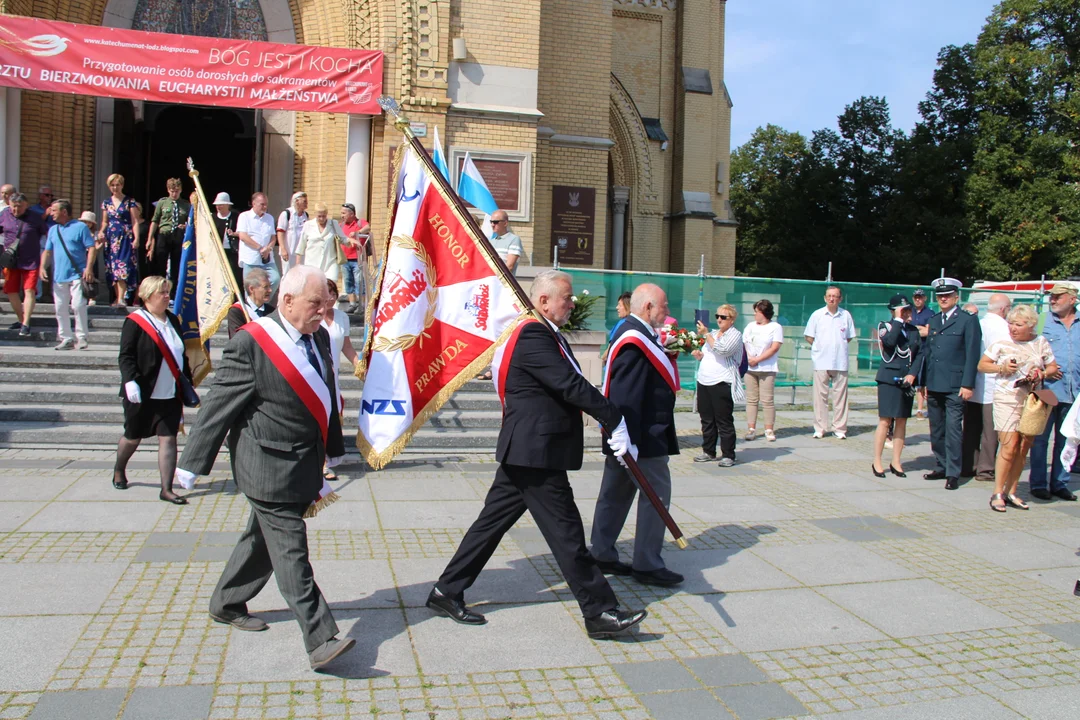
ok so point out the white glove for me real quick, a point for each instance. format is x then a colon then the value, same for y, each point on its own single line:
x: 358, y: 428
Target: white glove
x: 631, y: 451
x: 1068, y: 453
x: 184, y: 479
x: 620, y: 440
x: 134, y: 394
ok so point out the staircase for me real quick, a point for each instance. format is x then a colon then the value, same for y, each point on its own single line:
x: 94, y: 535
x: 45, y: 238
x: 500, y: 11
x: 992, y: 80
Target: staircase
x: 70, y: 398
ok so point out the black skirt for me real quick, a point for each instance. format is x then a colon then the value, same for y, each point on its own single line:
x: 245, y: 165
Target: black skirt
x: 892, y: 402
x: 152, y: 418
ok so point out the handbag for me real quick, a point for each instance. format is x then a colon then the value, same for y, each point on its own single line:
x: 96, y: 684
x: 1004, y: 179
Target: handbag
x: 89, y: 289
x: 188, y: 396
x: 1036, y: 413
x: 10, y: 254
x: 341, y: 259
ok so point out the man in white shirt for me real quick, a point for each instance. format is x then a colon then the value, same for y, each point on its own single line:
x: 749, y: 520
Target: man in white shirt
x: 257, y: 234
x: 290, y: 224
x: 506, y: 243
x: 829, y: 331
x: 980, y: 439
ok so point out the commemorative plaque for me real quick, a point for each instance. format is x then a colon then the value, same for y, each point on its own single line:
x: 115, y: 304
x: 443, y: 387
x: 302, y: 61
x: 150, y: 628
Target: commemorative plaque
x: 573, y: 217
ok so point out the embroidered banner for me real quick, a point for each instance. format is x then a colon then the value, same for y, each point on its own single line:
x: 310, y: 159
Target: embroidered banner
x: 61, y: 57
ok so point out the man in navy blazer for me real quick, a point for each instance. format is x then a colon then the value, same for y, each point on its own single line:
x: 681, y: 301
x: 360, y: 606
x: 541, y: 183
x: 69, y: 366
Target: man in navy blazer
x: 641, y: 381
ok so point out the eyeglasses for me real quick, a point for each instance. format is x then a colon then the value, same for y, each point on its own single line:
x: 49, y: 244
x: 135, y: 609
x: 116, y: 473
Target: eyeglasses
x: 497, y: 222
x: 46, y: 195
x: 721, y: 317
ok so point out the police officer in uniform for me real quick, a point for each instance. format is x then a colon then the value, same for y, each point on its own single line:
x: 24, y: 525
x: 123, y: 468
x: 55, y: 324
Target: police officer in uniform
x: 954, y: 342
x: 901, y: 362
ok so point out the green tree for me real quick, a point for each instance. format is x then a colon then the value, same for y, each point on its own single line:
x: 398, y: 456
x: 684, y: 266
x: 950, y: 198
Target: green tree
x: 1023, y: 195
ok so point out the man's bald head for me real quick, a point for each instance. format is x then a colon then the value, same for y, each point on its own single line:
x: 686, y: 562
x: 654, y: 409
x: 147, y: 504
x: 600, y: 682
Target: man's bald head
x: 649, y: 302
x: 999, y: 304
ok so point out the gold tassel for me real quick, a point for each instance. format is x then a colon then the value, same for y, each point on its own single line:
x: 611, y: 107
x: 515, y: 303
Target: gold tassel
x: 320, y: 504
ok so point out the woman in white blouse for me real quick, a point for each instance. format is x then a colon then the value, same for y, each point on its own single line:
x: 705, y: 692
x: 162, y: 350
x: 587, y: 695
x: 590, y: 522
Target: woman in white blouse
x: 719, y: 386
x: 762, y: 338
x: 336, y: 323
x: 321, y: 243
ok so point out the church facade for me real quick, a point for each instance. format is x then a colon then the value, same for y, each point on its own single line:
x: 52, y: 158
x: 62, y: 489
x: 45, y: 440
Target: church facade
x: 601, y: 126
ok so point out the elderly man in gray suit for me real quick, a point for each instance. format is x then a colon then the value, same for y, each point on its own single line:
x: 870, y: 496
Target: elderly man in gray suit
x: 275, y: 391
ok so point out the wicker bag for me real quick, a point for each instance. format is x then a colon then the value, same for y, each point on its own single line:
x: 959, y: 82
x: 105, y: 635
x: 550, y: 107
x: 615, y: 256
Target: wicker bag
x: 1037, y: 408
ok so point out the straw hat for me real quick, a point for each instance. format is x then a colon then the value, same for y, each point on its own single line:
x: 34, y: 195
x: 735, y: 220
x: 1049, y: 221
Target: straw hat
x: 89, y: 217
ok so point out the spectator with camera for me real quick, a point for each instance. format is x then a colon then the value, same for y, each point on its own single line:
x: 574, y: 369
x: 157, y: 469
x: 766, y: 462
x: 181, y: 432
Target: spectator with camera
x: 1020, y: 361
x: 900, y: 345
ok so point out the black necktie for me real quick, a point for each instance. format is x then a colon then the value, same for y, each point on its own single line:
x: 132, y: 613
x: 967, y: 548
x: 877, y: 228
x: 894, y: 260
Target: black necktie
x: 311, y: 356
x: 261, y: 312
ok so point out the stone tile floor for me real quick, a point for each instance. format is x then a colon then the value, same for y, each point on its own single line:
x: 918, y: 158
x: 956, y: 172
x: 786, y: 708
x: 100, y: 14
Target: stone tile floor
x: 812, y: 589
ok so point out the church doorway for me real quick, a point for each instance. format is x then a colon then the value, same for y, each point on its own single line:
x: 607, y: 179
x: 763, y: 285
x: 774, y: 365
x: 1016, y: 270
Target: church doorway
x: 151, y: 144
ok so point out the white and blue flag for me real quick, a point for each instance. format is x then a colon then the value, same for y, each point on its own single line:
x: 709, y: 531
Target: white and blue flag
x: 437, y: 155
x: 473, y: 190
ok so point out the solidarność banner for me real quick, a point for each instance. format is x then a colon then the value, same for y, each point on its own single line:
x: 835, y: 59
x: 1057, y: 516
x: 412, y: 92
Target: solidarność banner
x: 61, y: 57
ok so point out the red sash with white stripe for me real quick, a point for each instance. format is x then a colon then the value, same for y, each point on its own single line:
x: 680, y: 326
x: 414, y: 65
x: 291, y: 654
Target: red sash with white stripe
x: 292, y: 363
x: 500, y: 363
x: 659, y: 359
x: 166, y: 352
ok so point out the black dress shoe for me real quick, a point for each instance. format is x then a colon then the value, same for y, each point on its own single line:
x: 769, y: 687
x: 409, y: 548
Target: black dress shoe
x: 612, y: 622
x: 1041, y: 494
x: 1064, y: 494
x: 896, y: 472
x: 952, y: 483
x: 453, y: 608
x: 1076, y: 590
x: 660, y: 578
x: 875, y: 471
x: 614, y: 567
x: 935, y: 475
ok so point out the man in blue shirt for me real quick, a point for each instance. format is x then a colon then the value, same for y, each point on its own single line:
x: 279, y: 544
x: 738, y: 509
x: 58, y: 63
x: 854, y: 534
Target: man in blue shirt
x: 1063, y: 333
x: 72, y: 249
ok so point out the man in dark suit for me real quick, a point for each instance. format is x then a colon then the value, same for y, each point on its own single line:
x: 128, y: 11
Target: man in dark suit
x: 954, y: 343
x: 256, y: 300
x: 543, y: 395
x: 275, y: 391
x: 641, y: 381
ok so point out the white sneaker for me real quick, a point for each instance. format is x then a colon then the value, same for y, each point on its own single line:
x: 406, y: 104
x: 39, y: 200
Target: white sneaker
x: 818, y: 434
x: 839, y: 435
x: 65, y: 344
x: 770, y: 436
x: 82, y: 345
x: 751, y: 433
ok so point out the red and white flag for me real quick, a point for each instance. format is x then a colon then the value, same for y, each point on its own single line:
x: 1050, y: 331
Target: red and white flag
x: 440, y: 309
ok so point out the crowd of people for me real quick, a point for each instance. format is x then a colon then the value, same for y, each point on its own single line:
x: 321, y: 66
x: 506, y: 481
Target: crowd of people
x: 126, y: 246
x: 973, y: 378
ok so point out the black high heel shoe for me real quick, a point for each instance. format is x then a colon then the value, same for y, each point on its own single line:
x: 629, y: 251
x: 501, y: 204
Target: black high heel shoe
x: 121, y: 483
x: 896, y: 472
x: 876, y: 473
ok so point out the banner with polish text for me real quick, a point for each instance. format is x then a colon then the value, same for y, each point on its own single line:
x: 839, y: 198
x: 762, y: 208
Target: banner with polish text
x: 439, y: 311
x: 62, y: 57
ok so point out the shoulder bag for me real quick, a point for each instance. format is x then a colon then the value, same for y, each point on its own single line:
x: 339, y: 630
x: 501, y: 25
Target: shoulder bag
x: 89, y: 289
x: 338, y: 234
x: 1037, y: 408
x: 188, y: 396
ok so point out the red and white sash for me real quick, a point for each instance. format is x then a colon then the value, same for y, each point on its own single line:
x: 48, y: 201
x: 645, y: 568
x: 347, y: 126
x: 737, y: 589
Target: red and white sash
x: 292, y: 363
x: 166, y: 352
x: 659, y: 359
x: 500, y: 363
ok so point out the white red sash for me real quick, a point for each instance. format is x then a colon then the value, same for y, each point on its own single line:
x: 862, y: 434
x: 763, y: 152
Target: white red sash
x: 166, y: 353
x: 659, y: 359
x: 500, y: 363
x: 292, y: 363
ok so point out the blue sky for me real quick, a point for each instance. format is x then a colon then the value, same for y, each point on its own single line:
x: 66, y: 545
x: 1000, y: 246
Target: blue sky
x: 798, y: 63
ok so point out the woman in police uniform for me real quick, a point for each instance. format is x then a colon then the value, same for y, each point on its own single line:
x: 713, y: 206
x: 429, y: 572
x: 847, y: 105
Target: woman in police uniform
x: 900, y: 364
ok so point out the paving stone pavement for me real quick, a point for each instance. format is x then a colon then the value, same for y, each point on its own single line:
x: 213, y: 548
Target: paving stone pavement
x: 812, y: 589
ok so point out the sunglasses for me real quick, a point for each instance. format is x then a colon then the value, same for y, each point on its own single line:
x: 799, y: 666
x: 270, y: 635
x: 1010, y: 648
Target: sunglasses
x: 497, y: 222
x: 721, y: 317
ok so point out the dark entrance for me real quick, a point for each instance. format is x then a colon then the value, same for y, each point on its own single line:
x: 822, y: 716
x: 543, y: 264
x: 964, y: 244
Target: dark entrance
x: 155, y: 147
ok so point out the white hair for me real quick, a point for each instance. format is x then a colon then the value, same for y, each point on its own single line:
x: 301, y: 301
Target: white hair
x: 297, y: 279
x: 998, y: 302
x: 642, y: 296
x: 545, y: 281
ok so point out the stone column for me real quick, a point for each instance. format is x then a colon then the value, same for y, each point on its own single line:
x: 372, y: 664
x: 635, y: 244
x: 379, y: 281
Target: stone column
x: 620, y: 198
x: 103, y: 156
x: 358, y: 162
x: 10, y: 129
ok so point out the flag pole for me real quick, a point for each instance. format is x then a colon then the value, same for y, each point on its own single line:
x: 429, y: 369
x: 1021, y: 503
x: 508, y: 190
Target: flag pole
x: 194, y: 174
x: 391, y: 107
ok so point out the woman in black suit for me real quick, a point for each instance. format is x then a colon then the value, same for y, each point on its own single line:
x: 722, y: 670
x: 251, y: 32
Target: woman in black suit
x: 149, y: 390
x: 900, y: 364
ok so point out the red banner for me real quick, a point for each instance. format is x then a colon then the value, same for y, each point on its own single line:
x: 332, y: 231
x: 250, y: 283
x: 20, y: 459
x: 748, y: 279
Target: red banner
x: 64, y: 57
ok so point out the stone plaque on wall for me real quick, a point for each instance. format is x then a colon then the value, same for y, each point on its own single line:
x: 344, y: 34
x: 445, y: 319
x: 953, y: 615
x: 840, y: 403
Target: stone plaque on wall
x: 503, y: 178
x: 573, y: 216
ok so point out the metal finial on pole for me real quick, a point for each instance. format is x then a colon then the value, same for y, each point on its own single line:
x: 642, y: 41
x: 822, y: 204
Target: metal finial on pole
x: 828, y: 273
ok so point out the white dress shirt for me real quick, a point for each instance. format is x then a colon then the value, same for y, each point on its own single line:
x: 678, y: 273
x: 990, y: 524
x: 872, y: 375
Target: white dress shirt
x: 994, y: 328
x: 831, y: 333
x: 165, y: 385
x: 260, y: 228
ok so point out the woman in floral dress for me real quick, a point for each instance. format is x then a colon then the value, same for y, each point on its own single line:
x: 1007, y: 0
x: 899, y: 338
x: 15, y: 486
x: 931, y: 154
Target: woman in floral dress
x: 120, y: 220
